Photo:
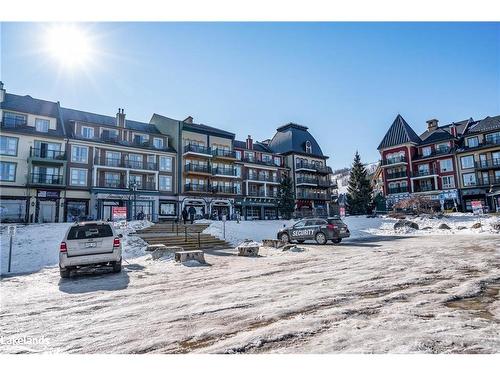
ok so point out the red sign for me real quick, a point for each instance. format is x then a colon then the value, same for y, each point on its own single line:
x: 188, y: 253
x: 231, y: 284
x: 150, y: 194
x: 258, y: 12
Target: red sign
x: 119, y: 213
x: 342, y: 211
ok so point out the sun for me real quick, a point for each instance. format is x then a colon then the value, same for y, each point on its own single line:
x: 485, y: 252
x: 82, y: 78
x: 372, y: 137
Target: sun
x: 69, y: 45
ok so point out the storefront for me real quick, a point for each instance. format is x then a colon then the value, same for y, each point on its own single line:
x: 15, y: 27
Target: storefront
x: 167, y: 209
x: 219, y: 208
x: 198, y: 204
x: 47, y: 206
x: 13, y: 210
x: 448, y: 199
x: 140, y: 205
x: 256, y: 208
x: 470, y: 195
x: 77, y: 210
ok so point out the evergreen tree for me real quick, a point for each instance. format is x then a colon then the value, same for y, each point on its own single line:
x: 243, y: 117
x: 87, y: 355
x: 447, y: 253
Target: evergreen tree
x: 359, y: 189
x: 286, y: 198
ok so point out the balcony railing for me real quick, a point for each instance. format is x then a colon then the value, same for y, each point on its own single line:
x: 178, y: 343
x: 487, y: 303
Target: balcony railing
x: 488, y: 163
x: 222, y: 171
x: 391, y: 161
x: 13, y: 123
x: 197, y: 187
x: 484, y: 181
x: 42, y: 153
x: 425, y: 173
x: 112, y: 183
x: 219, y: 152
x: 486, y: 143
x: 197, y: 168
x: 315, y: 196
x: 47, y: 179
x: 261, y: 162
x: 423, y: 188
x: 148, y: 185
x: 261, y: 177
x: 133, y: 164
x: 398, y: 190
x: 314, y: 167
x: 224, y: 189
x: 396, y: 175
x: 197, y: 149
x: 441, y: 151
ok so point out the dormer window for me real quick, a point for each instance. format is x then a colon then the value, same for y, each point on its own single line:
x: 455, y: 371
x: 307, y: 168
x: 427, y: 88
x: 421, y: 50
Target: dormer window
x: 14, y: 119
x: 308, y: 147
x: 158, y: 143
x: 42, y: 125
x: 87, y: 132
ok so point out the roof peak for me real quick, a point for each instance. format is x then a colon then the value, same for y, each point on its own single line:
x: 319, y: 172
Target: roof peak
x: 291, y: 125
x: 399, y: 133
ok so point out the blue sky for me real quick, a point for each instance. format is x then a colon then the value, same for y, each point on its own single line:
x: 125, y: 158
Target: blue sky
x: 345, y: 81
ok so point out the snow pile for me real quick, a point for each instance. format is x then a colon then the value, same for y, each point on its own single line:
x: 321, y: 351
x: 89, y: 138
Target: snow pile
x: 36, y: 246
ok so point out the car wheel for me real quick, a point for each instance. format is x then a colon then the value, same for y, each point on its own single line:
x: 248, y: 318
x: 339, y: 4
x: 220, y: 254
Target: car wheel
x: 320, y: 238
x: 337, y: 240
x: 64, y: 272
x: 117, y: 266
x: 300, y: 241
x: 285, y: 238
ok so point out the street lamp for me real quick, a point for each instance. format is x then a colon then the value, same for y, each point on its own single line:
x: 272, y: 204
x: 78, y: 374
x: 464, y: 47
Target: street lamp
x: 132, y: 185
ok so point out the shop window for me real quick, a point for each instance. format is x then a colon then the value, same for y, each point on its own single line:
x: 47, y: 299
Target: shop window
x: 76, y: 211
x: 12, y: 211
x: 167, y: 209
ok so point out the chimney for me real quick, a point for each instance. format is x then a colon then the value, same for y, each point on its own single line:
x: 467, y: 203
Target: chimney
x: 2, y: 92
x: 188, y: 120
x: 120, y: 118
x: 432, y: 125
x: 453, y: 130
x: 250, y: 143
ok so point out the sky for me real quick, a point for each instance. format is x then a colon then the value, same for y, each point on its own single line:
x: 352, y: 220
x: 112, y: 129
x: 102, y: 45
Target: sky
x: 345, y: 81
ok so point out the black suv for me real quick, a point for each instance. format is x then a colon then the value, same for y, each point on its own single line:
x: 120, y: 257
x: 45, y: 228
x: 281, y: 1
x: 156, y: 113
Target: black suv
x: 320, y: 230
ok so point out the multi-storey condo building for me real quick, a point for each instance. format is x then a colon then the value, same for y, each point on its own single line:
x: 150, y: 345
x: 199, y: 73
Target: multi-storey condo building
x: 209, y: 178
x: 478, y: 161
x: 33, y: 159
x: 445, y: 163
x: 262, y: 171
x: 311, y: 176
x: 116, y: 162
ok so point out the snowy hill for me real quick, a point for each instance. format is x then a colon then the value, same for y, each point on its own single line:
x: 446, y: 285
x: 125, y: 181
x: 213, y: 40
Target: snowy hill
x: 342, y: 176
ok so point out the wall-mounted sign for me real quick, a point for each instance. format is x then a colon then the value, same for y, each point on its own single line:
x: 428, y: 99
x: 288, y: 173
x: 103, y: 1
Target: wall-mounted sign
x: 119, y: 213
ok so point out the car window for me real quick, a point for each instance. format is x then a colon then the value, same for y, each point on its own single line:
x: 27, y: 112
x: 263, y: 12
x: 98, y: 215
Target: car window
x: 310, y: 222
x: 90, y: 231
x: 300, y: 224
x: 335, y: 221
x: 321, y: 222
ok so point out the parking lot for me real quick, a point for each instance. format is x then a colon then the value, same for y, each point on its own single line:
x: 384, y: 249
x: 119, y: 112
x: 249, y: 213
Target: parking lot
x: 374, y: 294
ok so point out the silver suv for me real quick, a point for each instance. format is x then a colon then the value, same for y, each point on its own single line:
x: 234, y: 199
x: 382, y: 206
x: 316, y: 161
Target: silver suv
x: 88, y: 244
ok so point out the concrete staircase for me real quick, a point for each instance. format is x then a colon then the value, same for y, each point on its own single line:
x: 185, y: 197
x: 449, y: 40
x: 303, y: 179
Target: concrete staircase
x: 187, y: 236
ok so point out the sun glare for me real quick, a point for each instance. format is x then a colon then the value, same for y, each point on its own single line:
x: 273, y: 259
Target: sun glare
x: 69, y: 45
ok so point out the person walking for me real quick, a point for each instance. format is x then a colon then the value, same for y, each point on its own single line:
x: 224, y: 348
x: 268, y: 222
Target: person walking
x: 192, y: 212
x: 184, y: 215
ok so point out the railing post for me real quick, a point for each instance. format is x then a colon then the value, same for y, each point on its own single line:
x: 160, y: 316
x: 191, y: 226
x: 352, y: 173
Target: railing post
x: 185, y: 234
x: 199, y: 243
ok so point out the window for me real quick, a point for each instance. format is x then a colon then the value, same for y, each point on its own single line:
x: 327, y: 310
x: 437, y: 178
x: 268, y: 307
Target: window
x: 165, y: 163
x: 472, y: 142
x: 493, y: 138
x: 423, y: 169
x: 167, y: 208
x: 238, y: 154
x: 249, y: 156
x: 86, y: 231
x: 79, y: 154
x: 135, y: 181
x: 78, y: 177
x: 109, y: 134
x: 266, y: 158
x: 446, y: 165
x: 469, y: 179
x: 166, y: 183
x: 87, y: 132
x: 308, y: 147
x: 277, y: 161
x: 467, y: 161
x: 448, y: 182
x: 158, y: 143
x: 426, y: 151
x: 495, y: 158
x: 140, y: 139
x: 8, y: 145
x: 14, y: 119
x: 7, y: 171
x: 443, y: 147
x: 42, y: 125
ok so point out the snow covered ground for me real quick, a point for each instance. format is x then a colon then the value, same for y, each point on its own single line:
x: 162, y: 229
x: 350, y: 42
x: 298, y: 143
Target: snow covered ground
x: 400, y: 294
x: 37, y: 246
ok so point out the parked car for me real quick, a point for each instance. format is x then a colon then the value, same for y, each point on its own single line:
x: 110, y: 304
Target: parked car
x: 93, y: 243
x: 318, y: 229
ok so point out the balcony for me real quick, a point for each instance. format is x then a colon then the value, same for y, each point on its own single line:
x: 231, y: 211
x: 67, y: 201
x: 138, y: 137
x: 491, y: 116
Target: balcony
x: 311, y: 167
x: 486, y: 181
x: 393, y: 176
x: 222, y: 189
x: 262, y: 177
x: 398, y: 190
x: 197, y: 188
x: 488, y: 164
x: 393, y: 161
x: 197, y: 150
x: 148, y: 185
x: 46, y: 179
x: 49, y: 156
x: 423, y: 188
x: 197, y: 168
x: 313, y: 196
x: 441, y: 151
x: 423, y: 174
x: 13, y: 123
x: 224, y: 154
x: 260, y: 162
x: 121, y: 163
x: 112, y: 183
x: 224, y: 171
x: 493, y: 141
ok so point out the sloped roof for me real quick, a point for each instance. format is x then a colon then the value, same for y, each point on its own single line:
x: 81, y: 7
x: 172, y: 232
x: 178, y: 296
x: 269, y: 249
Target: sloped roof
x: 443, y: 133
x: 257, y: 146
x: 28, y: 104
x: 292, y: 138
x: 207, y: 129
x: 486, y: 124
x: 399, y: 133
x: 69, y: 115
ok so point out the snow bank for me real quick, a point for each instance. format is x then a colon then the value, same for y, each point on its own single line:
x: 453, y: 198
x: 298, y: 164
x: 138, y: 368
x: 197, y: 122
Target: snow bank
x: 36, y: 246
